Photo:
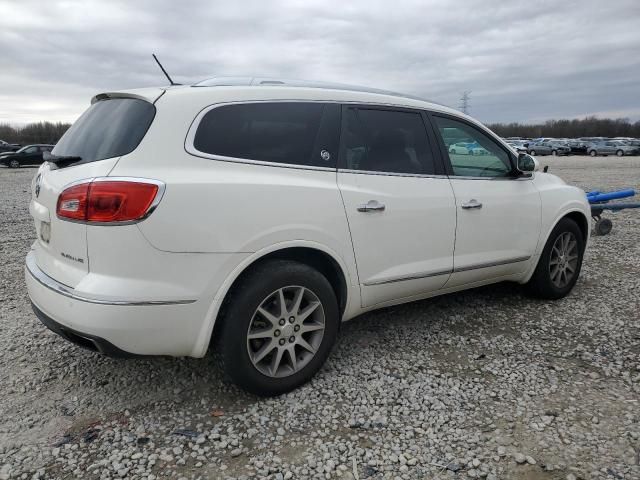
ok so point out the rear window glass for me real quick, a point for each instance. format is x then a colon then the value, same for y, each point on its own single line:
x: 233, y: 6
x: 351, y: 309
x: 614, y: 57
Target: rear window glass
x: 109, y: 128
x: 294, y: 133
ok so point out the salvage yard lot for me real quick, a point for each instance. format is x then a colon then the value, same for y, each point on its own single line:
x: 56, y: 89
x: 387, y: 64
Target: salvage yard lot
x: 484, y: 383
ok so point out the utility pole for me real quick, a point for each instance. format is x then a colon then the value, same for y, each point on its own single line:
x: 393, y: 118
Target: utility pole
x: 464, y: 101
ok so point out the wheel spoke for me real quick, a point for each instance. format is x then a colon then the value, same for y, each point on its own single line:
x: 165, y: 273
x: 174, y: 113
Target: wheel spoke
x: 291, y: 350
x: 572, y: 246
x: 283, y: 303
x: 268, y: 316
x: 262, y: 333
x: 553, y: 261
x: 304, y: 344
x: 302, y: 316
x: 297, y: 300
x: 311, y: 327
x: 266, y: 349
x: 275, y: 361
x: 554, y: 273
x: 571, y: 267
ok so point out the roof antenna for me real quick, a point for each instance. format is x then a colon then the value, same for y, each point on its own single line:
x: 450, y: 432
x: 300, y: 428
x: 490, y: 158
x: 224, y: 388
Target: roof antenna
x: 163, y: 70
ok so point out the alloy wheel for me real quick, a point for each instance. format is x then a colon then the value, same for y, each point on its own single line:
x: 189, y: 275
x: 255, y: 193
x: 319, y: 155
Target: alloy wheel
x: 14, y: 164
x: 563, y: 262
x: 286, y: 331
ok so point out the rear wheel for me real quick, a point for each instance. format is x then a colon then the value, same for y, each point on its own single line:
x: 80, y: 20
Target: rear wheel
x: 533, y: 152
x: 278, y: 327
x: 593, y: 153
x: 14, y: 164
x: 554, y: 153
x: 560, y: 263
x: 619, y: 153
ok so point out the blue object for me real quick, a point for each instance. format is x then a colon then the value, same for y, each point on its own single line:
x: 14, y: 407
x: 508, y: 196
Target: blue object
x: 605, y: 197
x: 615, y: 206
x: 595, y: 192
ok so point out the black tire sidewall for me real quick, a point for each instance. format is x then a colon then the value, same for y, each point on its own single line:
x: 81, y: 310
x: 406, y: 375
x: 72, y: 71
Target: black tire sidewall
x: 261, y: 282
x: 542, y: 278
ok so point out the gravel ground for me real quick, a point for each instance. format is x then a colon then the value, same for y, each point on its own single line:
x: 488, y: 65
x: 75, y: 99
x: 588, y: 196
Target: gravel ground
x: 481, y: 384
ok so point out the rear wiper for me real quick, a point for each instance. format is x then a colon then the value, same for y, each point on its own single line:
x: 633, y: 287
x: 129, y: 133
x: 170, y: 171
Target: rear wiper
x: 60, y: 161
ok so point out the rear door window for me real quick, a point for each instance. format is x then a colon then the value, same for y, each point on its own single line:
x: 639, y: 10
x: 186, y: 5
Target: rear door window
x: 390, y: 141
x: 292, y: 133
x: 108, y: 128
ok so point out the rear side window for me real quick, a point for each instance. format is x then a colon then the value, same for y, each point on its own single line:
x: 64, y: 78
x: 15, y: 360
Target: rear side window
x: 293, y: 133
x: 109, y: 128
x: 386, y: 141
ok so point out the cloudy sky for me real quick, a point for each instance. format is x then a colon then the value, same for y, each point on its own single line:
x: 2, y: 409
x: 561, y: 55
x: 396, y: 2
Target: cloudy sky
x: 523, y: 60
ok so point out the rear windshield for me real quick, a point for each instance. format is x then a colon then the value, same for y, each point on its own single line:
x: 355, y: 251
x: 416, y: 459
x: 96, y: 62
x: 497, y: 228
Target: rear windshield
x: 109, y: 128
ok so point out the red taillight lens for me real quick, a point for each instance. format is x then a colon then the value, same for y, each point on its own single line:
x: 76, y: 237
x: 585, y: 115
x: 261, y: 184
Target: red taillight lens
x: 72, y: 202
x: 107, y: 201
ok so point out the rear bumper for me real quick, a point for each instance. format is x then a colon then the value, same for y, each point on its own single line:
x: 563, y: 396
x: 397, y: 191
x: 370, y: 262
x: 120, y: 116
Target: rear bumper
x: 115, y: 327
x: 84, y: 340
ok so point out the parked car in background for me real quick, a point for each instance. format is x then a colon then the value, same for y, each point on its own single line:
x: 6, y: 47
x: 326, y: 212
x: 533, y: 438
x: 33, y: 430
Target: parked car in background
x: 612, y: 147
x: 29, y: 155
x: 467, y: 148
x: 548, y: 148
x: 256, y: 219
x: 518, y: 145
x: 8, y: 147
x: 577, y: 147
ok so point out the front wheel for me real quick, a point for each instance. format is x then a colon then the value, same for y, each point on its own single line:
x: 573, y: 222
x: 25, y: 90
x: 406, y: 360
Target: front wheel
x: 560, y: 263
x: 554, y: 153
x: 620, y: 153
x: 278, y: 327
x: 533, y: 152
x: 593, y: 153
x: 14, y: 164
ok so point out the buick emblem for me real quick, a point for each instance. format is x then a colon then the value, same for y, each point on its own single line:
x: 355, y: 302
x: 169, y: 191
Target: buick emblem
x: 326, y: 156
x: 38, y: 178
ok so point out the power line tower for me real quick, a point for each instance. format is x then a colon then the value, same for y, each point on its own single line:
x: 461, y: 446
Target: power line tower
x: 464, y: 101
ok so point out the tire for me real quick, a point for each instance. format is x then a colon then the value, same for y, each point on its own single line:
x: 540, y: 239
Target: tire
x: 603, y: 226
x: 619, y: 153
x: 14, y: 164
x: 533, y: 152
x: 261, y: 288
x: 554, y: 153
x: 593, y: 153
x: 542, y: 283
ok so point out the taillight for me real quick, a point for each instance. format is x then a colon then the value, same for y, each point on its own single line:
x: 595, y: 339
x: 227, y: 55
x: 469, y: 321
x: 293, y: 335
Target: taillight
x: 107, y: 201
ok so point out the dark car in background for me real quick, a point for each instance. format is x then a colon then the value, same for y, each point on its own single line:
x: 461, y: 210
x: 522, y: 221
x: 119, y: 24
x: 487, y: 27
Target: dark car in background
x: 548, y: 148
x: 8, y: 147
x: 29, y: 155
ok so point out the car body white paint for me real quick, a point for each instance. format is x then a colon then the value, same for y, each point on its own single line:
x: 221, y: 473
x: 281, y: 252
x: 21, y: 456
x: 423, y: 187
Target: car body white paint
x: 156, y: 287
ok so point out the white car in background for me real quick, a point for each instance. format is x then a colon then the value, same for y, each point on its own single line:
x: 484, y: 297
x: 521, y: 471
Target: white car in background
x: 255, y: 215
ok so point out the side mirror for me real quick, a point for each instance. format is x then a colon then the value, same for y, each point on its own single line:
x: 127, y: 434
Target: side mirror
x: 526, y: 163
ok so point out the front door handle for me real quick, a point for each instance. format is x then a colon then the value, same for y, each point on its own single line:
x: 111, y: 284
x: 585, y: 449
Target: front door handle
x: 473, y: 203
x: 371, y: 206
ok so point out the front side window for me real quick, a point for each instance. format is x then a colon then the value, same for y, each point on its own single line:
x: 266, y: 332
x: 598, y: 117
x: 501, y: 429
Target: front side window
x: 386, y: 141
x: 293, y: 133
x: 472, y: 153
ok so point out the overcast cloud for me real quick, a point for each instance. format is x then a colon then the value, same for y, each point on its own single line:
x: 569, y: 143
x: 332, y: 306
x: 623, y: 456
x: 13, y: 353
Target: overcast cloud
x: 522, y: 60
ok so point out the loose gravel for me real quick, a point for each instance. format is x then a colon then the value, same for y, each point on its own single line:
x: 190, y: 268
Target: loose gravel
x: 481, y: 384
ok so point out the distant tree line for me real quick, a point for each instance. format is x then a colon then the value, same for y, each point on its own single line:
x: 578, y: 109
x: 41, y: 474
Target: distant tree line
x: 585, y: 127
x: 38, y: 132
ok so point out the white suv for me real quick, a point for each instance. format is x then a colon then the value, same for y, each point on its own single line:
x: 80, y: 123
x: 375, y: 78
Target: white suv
x: 261, y: 213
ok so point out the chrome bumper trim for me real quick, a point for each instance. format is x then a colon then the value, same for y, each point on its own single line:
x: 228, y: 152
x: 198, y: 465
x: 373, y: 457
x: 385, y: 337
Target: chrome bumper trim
x: 45, y: 280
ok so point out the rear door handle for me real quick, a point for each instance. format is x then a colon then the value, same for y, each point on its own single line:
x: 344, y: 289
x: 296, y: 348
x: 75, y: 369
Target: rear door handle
x: 371, y: 206
x: 473, y: 203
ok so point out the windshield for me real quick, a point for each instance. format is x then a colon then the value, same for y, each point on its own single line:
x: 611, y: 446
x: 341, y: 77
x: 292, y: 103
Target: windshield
x: 109, y: 128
